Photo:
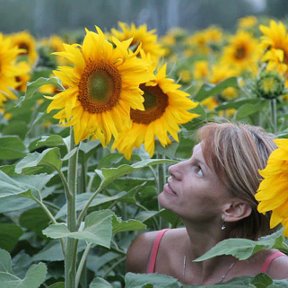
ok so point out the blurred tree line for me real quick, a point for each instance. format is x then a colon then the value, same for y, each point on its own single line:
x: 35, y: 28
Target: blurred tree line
x: 45, y: 17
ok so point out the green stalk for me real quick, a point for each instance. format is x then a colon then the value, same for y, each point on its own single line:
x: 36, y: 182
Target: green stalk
x: 71, y: 244
x: 82, y: 263
x: 87, y: 205
x: 273, y: 106
x: 161, y: 175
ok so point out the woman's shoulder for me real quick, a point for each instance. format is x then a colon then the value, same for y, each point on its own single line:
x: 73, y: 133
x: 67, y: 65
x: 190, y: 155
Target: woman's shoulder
x: 276, y: 264
x: 139, y: 251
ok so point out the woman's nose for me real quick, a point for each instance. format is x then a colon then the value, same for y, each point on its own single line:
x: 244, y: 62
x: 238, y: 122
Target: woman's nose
x: 174, y: 170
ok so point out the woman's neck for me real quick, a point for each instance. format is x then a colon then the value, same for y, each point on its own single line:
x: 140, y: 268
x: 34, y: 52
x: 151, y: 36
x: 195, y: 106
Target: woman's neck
x: 198, y: 242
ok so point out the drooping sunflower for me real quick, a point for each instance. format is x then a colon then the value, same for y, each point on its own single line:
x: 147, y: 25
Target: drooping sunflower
x: 8, y: 69
x: 166, y: 107
x: 141, y: 36
x: 27, y: 43
x: 102, y: 86
x: 272, y: 192
x: 242, y: 52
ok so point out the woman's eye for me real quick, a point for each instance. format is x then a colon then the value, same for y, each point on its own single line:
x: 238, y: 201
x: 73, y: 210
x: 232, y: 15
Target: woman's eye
x: 198, y: 170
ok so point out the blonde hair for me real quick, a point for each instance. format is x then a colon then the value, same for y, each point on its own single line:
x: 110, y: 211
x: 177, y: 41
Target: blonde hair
x: 236, y: 152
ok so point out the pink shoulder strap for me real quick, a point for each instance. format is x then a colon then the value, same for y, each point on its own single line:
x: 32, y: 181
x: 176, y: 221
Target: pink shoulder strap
x: 269, y: 260
x: 154, y: 251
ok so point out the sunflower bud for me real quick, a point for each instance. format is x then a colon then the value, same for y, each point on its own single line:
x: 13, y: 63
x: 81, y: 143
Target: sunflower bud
x: 269, y: 85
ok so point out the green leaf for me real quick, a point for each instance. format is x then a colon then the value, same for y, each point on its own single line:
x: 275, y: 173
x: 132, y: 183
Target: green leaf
x: 49, y: 158
x: 242, y: 249
x: 9, y: 280
x: 262, y: 281
x: 35, y: 220
x: 13, y: 203
x: 247, y: 110
x: 5, y: 261
x: 133, y: 280
x: 11, y: 148
x: 87, y: 147
x: 70, y: 154
x: 32, y: 87
x: 35, y: 276
x: 99, y: 224
x: 51, y: 252
x: 237, y: 103
x: 15, y: 127
x: 208, y: 90
x: 100, y: 283
x: 47, y: 141
x: 9, y: 235
x: 97, y: 230
x: 28, y: 186
x: 82, y: 198
x: 57, y: 231
x: 146, y: 215
x: 128, y: 225
x: 57, y: 285
x: 109, y: 175
x: 10, y: 187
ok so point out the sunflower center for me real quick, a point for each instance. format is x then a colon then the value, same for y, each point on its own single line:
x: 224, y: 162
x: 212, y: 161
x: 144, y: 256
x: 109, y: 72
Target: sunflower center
x: 240, y: 53
x: 25, y: 48
x: 99, y: 87
x: 155, y: 103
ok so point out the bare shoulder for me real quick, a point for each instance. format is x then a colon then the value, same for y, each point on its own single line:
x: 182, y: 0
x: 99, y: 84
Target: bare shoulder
x: 279, y: 268
x: 139, y: 252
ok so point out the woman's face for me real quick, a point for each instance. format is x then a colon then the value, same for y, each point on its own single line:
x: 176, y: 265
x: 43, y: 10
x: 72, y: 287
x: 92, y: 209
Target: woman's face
x: 193, y: 190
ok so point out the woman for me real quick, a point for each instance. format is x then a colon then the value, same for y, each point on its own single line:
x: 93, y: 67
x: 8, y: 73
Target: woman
x: 213, y: 194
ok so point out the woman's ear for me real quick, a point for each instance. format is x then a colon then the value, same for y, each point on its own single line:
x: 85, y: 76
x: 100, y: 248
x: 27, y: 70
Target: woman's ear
x: 236, y: 210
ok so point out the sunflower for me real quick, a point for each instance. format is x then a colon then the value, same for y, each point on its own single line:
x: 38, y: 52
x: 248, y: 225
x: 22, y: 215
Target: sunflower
x: 102, y: 87
x: 199, y: 43
x: 205, y: 41
x: 201, y: 70
x: 141, y: 36
x: 27, y: 43
x: 272, y: 192
x: 242, y: 52
x: 219, y: 73
x: 54, y: 44
x: 8, y: 69
x: 247, y: 22
x: 23, y: 75
x: 166, y: 107
x: 275, y: 44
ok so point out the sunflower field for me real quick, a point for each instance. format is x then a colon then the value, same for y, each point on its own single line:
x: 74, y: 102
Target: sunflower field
x: 91, y: 121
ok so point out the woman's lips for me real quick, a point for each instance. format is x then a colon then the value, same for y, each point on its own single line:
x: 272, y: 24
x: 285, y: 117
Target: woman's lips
x: 167, y: 189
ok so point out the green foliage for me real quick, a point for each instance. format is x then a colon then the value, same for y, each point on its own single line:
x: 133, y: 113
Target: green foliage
x: 81, y: 206
x: 34, y: 277
x: 242, y: 249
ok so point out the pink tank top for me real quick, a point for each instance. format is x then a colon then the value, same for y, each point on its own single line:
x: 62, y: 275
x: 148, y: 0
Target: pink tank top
x: 160, y: 234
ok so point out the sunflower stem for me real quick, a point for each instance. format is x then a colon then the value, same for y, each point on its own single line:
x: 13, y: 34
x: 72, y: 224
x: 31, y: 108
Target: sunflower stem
x: 71, y: 244
x: 87, y: 205
x: 82, y: 262
x: 273, y: 106
x: 160, y: 183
